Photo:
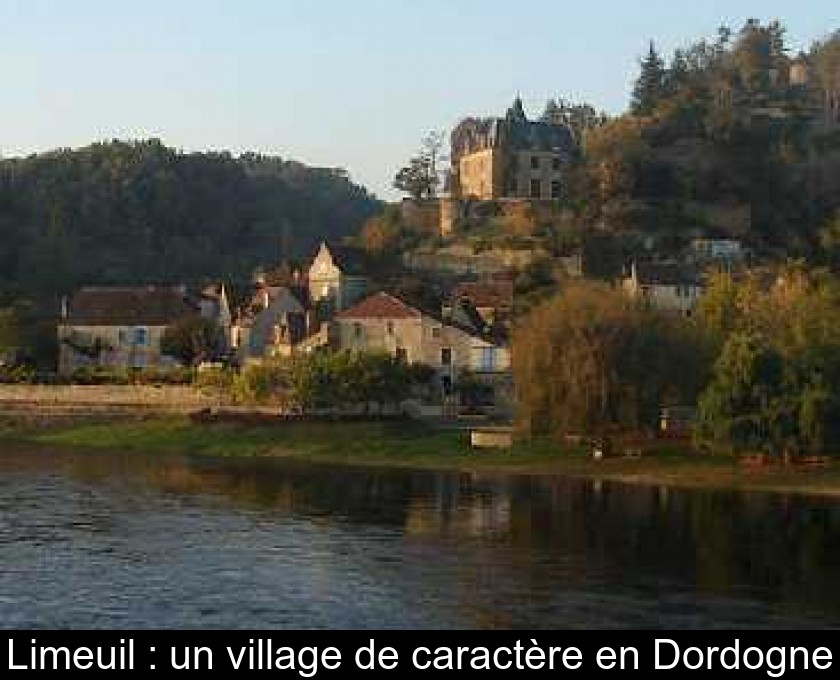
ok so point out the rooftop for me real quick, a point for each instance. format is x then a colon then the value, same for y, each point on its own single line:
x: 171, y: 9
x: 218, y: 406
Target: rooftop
x: 381, y: 306
x: 129, y: 306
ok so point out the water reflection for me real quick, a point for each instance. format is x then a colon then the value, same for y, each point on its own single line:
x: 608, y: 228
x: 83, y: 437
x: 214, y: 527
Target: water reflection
x: 110, y: 540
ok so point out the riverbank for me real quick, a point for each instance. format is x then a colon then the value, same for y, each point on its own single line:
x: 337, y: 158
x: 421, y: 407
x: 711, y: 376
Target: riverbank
x: 415, y: 446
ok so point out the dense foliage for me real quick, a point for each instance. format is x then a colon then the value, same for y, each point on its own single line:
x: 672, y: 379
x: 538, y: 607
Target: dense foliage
x: 193, y: 340
x: 591, y: 360
x: 334, y: 382
x: 776, y: 384
x: 721, y: 140
x: 125, y: 212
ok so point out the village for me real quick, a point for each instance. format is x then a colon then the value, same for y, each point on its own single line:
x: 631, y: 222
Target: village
x: 448, y: 316
x: 333, y: 303
x: 443, y: 309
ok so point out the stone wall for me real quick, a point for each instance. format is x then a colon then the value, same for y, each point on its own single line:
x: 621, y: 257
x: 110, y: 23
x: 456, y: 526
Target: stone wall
x: 101, y: 399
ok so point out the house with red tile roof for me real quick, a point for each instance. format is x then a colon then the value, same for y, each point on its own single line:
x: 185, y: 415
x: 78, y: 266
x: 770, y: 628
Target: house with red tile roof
x: 384, y: 323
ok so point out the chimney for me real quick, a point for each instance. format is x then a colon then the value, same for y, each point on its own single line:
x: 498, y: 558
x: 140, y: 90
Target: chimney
x: 65, y: 307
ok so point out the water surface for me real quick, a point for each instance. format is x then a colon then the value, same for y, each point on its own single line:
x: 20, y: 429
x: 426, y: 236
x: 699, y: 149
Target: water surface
x: 132, y: 541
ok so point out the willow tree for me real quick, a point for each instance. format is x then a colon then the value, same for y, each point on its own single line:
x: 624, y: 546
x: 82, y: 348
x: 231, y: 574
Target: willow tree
x: 591, y: 360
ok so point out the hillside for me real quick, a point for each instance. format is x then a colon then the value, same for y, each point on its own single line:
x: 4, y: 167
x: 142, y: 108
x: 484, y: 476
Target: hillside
x: 127, y: 212
x: 735, y: 138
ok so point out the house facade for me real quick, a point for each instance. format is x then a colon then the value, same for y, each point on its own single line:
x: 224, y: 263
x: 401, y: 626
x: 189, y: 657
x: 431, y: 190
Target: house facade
x: 120, y: 327
x: 271, y: 324
x: 385, y: 323
x: 510, y: 157
x: 666, y: 286
x: 337, y: 278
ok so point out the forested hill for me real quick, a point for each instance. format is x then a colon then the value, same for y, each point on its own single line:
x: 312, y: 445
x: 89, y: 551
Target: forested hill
x: 127, y: 212
x: 737, y: 137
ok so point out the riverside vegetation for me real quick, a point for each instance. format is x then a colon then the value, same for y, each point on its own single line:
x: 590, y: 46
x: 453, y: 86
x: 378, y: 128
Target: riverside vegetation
x: 407, y: 445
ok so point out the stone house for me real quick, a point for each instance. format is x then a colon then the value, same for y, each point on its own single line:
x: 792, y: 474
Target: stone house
x: 337, y: 278
x: 120, y: 327
x: 509, y: 158
x: 271, y: 324
x: 385, y: 323
x: 668, y: 286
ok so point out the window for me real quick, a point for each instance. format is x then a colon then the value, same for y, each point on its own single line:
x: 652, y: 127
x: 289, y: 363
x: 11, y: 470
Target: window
x: 446, y: 357
x: 141, y: 337
x: 535, y: 162
x: 436, y: 332
x: 555, y: 164
x: 556, y: 189
x: 389, y: 328
x: 357, y: 330
x: 488, y: 358
x: 123, y: 336
x: 402, y: 354
x: 536, y: 188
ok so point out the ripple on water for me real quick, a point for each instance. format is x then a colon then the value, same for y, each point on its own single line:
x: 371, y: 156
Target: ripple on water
x: 148, y: 542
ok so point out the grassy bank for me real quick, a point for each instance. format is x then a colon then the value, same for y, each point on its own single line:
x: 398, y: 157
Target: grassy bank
x: 413, y: 446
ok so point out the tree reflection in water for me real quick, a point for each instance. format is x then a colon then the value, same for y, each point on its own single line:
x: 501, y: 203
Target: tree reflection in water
x: 473, y: 550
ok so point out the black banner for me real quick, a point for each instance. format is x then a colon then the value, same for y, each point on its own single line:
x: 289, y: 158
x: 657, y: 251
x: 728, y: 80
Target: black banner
x: 321, y: 654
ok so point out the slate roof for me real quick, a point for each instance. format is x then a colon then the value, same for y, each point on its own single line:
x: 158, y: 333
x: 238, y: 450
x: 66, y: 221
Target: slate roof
x: 129, y: 306
x: 380, y: 306
x: 280, y: 299
x: 514, y: 131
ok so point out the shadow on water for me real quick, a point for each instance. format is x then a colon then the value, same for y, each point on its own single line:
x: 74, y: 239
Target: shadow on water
x: 111, y: 540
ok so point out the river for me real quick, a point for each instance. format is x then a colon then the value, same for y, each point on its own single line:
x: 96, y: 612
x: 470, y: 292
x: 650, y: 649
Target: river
x: 131, y: 541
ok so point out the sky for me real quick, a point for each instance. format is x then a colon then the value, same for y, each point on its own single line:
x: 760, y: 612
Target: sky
x: 339, y: 83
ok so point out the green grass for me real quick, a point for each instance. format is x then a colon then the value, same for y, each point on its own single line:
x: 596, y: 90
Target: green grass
x: 414, y: 446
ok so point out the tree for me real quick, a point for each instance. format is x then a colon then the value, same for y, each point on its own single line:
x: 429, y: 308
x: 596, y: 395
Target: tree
x: 579, y: 118
x: 124, y: 213
x: 591, y: 360
x: 650, y: 86
x: 747, y: 406
x: 431, y: 147
x: 417, y: 179
x: 420, y: 178
x: 775, y: 385
x: 192, y: 340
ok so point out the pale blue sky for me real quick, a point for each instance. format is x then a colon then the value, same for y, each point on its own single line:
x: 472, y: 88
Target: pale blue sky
x: 332, y: 82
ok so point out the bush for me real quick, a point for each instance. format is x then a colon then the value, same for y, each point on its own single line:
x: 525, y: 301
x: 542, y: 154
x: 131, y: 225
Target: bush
x: 96, y: 375
x: 16, y: 375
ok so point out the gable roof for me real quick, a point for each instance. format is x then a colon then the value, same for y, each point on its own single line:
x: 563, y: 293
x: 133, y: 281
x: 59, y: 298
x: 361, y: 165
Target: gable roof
x: 281, y: 300
x: 380, y: 306
x: 129, y: 306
